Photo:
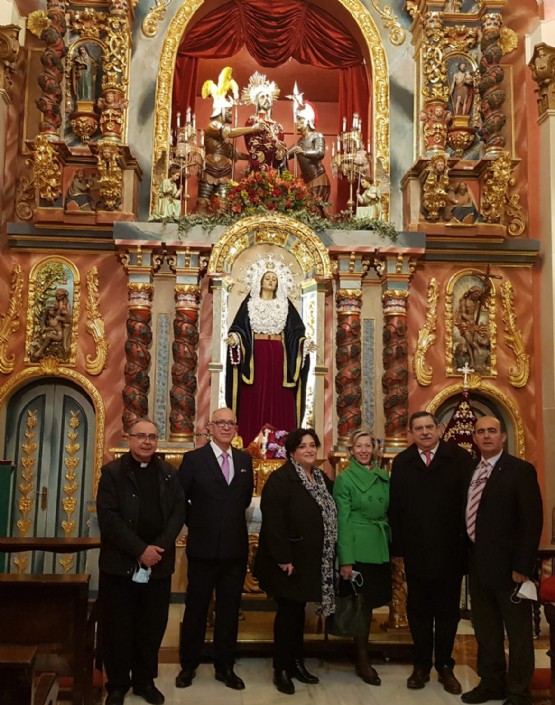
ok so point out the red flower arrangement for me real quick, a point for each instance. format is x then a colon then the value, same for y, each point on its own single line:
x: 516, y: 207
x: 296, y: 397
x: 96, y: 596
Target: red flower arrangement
x: 271, y: 191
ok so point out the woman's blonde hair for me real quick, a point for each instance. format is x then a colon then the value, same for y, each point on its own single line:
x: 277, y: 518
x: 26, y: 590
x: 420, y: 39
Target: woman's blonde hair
x: 355, y: 435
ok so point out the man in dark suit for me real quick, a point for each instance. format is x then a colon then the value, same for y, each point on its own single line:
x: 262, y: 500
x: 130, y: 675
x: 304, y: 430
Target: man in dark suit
x: 218, y: 485
x: 427, y: 498
x: 504, y: 523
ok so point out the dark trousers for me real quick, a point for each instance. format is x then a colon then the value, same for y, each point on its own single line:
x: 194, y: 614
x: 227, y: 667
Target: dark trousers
x: 493, y: 613
x: 133, y: 619
x: 288, y: 633
x: 433, y: 614
x: 226, y: 577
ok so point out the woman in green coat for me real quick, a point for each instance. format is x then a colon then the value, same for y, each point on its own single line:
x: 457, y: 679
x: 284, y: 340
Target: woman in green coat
x: 361, y: 493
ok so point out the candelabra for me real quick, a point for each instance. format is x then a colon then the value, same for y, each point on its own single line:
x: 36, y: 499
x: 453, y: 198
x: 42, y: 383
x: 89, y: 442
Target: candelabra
x: 351, y: 161
x: 188, y: 153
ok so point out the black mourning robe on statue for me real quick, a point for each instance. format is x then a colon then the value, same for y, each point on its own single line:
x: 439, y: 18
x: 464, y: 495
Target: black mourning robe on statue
x: 271, y: 373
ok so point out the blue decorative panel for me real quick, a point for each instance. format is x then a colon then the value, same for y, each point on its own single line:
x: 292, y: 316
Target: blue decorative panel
x: 162, y: 371
x: 368, y: 373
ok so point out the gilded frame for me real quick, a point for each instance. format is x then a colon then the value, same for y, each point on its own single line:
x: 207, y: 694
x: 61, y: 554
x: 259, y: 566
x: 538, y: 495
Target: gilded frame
x: 487, y: 389
x: 452, y: 285
x: 279, y: 230
x: 31, y: 304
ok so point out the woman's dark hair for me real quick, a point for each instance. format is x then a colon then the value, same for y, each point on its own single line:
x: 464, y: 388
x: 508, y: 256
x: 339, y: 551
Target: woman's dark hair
x: 295, y: 438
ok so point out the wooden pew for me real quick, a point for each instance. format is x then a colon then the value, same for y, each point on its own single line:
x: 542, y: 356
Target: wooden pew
x: 17, y: 676
x: 51, y: 612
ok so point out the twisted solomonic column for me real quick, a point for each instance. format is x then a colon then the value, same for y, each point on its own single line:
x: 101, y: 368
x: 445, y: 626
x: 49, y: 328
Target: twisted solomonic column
x: 137, y: 353
x: 395, y: 404
x: 492, y: 91
x: 184, y: 381
x: 395, y: 363
x: 348, y: 360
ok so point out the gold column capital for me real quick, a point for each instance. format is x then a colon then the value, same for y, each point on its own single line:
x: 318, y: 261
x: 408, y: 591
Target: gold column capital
x: 542, y: 66
x: 395, y: 270
x: 9, y: 48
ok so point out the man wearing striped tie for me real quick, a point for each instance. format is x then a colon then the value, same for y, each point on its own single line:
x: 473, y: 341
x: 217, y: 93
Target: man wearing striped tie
x: 503, y: 524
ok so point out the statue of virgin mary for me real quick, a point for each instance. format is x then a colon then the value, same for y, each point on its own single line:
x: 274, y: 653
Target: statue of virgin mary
x: 267, y: 365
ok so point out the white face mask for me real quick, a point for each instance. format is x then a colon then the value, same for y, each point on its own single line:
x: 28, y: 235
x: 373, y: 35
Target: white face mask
x: 141, y: 575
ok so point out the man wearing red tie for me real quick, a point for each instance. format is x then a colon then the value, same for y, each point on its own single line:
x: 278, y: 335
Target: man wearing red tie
x: 427, y: 498
x: 503, y: 524
x: 218, y: 484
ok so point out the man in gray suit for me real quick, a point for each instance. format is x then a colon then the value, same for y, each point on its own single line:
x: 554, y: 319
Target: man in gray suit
x: 504, y: 525
x: 218, y: 484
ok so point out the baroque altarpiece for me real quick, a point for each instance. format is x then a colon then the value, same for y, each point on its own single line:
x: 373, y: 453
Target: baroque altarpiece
x: 393, y: 160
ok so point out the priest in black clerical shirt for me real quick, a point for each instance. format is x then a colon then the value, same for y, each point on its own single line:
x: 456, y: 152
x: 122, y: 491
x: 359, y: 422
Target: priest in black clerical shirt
x: 141, y: 510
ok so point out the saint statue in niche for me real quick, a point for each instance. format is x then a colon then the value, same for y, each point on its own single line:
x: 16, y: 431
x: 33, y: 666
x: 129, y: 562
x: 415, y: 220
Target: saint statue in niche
x: 267, y: 366
x: 78, y: 197
x: 54, y: 335
x: 462, y: 90
x: 461, y: 204
x: 84, y: 74
x: 471, y: 317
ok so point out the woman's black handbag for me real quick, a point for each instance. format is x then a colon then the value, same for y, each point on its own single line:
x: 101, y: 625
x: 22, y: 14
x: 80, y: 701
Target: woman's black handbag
x: 351, y: 617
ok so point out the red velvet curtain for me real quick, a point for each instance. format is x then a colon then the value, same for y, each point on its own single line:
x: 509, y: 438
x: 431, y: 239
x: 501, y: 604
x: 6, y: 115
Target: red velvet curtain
x: 273, y: 31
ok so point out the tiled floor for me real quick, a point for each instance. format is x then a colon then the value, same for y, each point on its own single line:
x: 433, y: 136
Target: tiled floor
x: 338, y: 683
x: 338, y: 686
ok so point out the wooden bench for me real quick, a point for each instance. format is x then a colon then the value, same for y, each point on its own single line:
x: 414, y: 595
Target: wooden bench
x: 51, y: 612
x: 20, y: 686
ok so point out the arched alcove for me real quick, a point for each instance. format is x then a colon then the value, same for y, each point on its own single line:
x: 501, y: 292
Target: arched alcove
x: 294, y: 244
x: 358, y: 23
x: 487, y: 400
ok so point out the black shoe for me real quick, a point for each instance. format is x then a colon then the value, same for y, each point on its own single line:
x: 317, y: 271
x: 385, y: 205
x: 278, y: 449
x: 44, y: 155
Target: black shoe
x: 450, y: 683
x: 185, y: 678
x: 369, y: 675
x: 230, y: 678
x: 480, y: 694
x: 418, y: 679
x: 283, y: 682
x: 150, y: 693
x: 301, y: 674
x: 115, y: 697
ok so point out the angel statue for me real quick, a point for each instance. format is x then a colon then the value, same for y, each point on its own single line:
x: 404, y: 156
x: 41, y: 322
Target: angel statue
x: 267, y: 149
x: 268, y: 363
x: 369, y: 201
x: 220, y: 153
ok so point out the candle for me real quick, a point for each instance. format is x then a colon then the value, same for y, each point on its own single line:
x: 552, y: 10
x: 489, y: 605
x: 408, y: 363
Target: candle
x: 332, y: 151
x: 368, y: 147
x: 188, y: 118
x: 202, y: 138
x: 194, y: 122
x: 338, y: 144
x: 344, y: 124
x: 178, y: 119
